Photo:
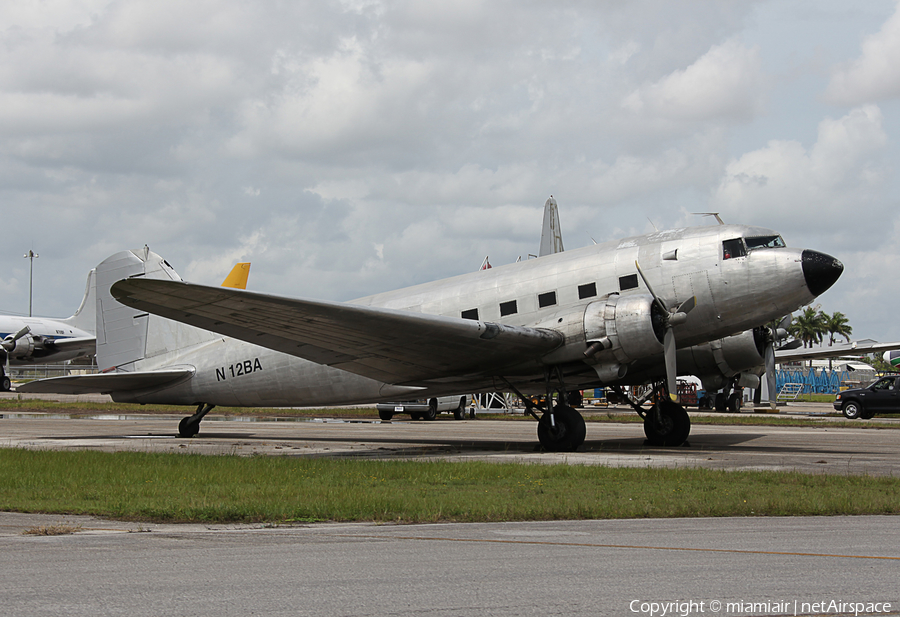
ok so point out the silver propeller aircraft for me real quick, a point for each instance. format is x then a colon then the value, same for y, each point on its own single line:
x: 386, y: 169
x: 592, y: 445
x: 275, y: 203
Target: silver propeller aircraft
x: 635, y: 311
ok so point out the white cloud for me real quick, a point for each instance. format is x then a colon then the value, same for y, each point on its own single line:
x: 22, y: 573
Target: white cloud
x: 813, y: 188
x: 875, y: 74
x: 726, y: 82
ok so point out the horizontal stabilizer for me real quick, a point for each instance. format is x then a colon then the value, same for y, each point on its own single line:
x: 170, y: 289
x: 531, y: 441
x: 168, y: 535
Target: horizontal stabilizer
x: 74, y: 343
x: 393, y: 346
x: 106, y: 383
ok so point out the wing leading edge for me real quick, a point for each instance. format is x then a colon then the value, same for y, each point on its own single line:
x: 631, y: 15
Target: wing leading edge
x: 392, y: 346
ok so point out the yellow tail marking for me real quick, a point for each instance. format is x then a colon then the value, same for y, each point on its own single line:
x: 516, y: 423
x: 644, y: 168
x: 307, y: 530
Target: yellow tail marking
x: 237, y: 278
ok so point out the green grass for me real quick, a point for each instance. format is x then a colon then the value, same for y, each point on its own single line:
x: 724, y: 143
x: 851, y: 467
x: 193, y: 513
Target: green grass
x: 181, y: 488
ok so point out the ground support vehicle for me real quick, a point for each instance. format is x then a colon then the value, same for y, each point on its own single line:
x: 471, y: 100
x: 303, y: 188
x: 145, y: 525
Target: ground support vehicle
x: 425, y: 409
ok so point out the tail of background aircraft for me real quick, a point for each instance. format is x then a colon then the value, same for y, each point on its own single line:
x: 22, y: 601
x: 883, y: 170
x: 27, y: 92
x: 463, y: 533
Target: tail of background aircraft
x: 85, y: 318
x: 125, y: 335
x: 238, y: 276
x: 551, y: 234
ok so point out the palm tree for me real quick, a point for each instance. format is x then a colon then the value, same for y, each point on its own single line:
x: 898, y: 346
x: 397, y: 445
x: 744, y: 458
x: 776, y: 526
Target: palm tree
x: 809, y: 327
x: 837, y: 325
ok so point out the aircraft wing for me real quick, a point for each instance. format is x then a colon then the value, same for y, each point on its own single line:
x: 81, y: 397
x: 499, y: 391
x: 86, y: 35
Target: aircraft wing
x: 835, y: 351
x: 105, y: 383
x: 74, y: 343
x: 397, y: 347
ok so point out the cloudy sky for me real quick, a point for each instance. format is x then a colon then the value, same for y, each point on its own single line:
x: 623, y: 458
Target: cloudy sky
x: 355, y: 146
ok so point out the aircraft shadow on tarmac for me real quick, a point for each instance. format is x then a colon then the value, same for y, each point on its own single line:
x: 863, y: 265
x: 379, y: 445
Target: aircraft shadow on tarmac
x: 387, y: 446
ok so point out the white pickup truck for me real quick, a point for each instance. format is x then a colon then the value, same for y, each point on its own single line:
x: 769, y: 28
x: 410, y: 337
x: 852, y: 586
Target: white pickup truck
x: 426, y: 408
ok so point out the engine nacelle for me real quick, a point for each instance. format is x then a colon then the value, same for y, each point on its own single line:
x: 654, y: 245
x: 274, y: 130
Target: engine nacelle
x: 24, y: 347
x: 717, y: 362
x: 619, y: 330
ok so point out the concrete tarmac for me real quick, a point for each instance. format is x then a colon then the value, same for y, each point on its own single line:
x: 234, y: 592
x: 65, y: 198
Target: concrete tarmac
x: 729, y: 566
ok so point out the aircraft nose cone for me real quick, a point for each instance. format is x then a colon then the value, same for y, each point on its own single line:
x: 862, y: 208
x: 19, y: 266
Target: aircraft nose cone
x: 820, y: 271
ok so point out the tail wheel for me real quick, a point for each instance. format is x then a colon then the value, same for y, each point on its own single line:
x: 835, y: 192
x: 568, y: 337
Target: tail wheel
x: 567, y: 434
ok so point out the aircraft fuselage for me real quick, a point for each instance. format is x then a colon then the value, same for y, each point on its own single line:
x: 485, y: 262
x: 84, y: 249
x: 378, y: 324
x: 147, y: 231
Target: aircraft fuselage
x: 589, y: 294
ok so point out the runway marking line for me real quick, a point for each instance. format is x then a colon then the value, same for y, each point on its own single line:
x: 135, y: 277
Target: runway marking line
x: 626, y: 546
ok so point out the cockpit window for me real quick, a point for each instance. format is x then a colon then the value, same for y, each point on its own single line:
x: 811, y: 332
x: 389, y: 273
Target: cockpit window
x: 733, y: 248
x: 765, y: 242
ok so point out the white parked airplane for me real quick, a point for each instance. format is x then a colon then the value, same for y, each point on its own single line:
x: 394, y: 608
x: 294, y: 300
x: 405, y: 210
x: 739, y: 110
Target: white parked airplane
x: 36, y: 340
x: 631, y: 311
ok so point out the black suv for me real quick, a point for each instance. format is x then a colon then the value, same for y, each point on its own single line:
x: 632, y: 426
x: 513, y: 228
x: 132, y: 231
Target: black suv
x: 881, y: 395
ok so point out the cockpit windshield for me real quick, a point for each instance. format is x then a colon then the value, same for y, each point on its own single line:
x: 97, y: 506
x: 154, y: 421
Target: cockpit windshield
x: 764, y: 242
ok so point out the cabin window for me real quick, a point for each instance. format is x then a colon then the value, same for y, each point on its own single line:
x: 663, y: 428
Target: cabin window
x: 764, y: 242
x: 588, y: 290
x: 733, y: 248
x: 470, y: 314
x: 508, y: 308
x: 628, y: 282
x: 546, y: 299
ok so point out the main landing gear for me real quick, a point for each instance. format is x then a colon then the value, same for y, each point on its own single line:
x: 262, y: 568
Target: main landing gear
x: 666, y: 423
x: 560, y: 427
x: 190, y: 426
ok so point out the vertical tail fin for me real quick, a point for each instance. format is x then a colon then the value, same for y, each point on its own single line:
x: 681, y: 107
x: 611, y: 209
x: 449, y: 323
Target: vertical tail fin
x: 126, y: 336
x: 85, y: 318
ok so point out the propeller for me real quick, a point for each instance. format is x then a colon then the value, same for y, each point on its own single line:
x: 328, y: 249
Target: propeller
x: 671, y: 318
x: 9, y: 343
x: 773, y: 336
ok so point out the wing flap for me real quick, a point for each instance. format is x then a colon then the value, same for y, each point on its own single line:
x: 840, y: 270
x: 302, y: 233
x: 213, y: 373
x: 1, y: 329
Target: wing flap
x: 106, y: 383
x: 392, y: 346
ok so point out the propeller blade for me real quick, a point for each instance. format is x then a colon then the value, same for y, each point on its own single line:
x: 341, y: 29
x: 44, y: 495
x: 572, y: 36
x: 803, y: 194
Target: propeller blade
x: 687, y: 306
x: 671, y: 369
x: 650, y: 289
x: 770, y: 375
x: 9, y: 343
x: 785, y: 322
x: 791, y: 345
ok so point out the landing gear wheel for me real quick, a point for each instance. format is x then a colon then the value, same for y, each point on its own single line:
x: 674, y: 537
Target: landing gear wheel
x: 734, y: 403
x: 851, y: 410
x: 460, y: 412
x: 188, y: 428
x: 704, y: 403
x: 431, y: 414
x: 385, y: 415
x: 721, y: 402
x: 567, y: 435
x: 5, y: 384
x: 667, y: 424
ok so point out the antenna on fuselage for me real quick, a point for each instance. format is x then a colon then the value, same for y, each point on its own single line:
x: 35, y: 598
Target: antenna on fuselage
x: 715, y: 214
x: 654, y: 224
